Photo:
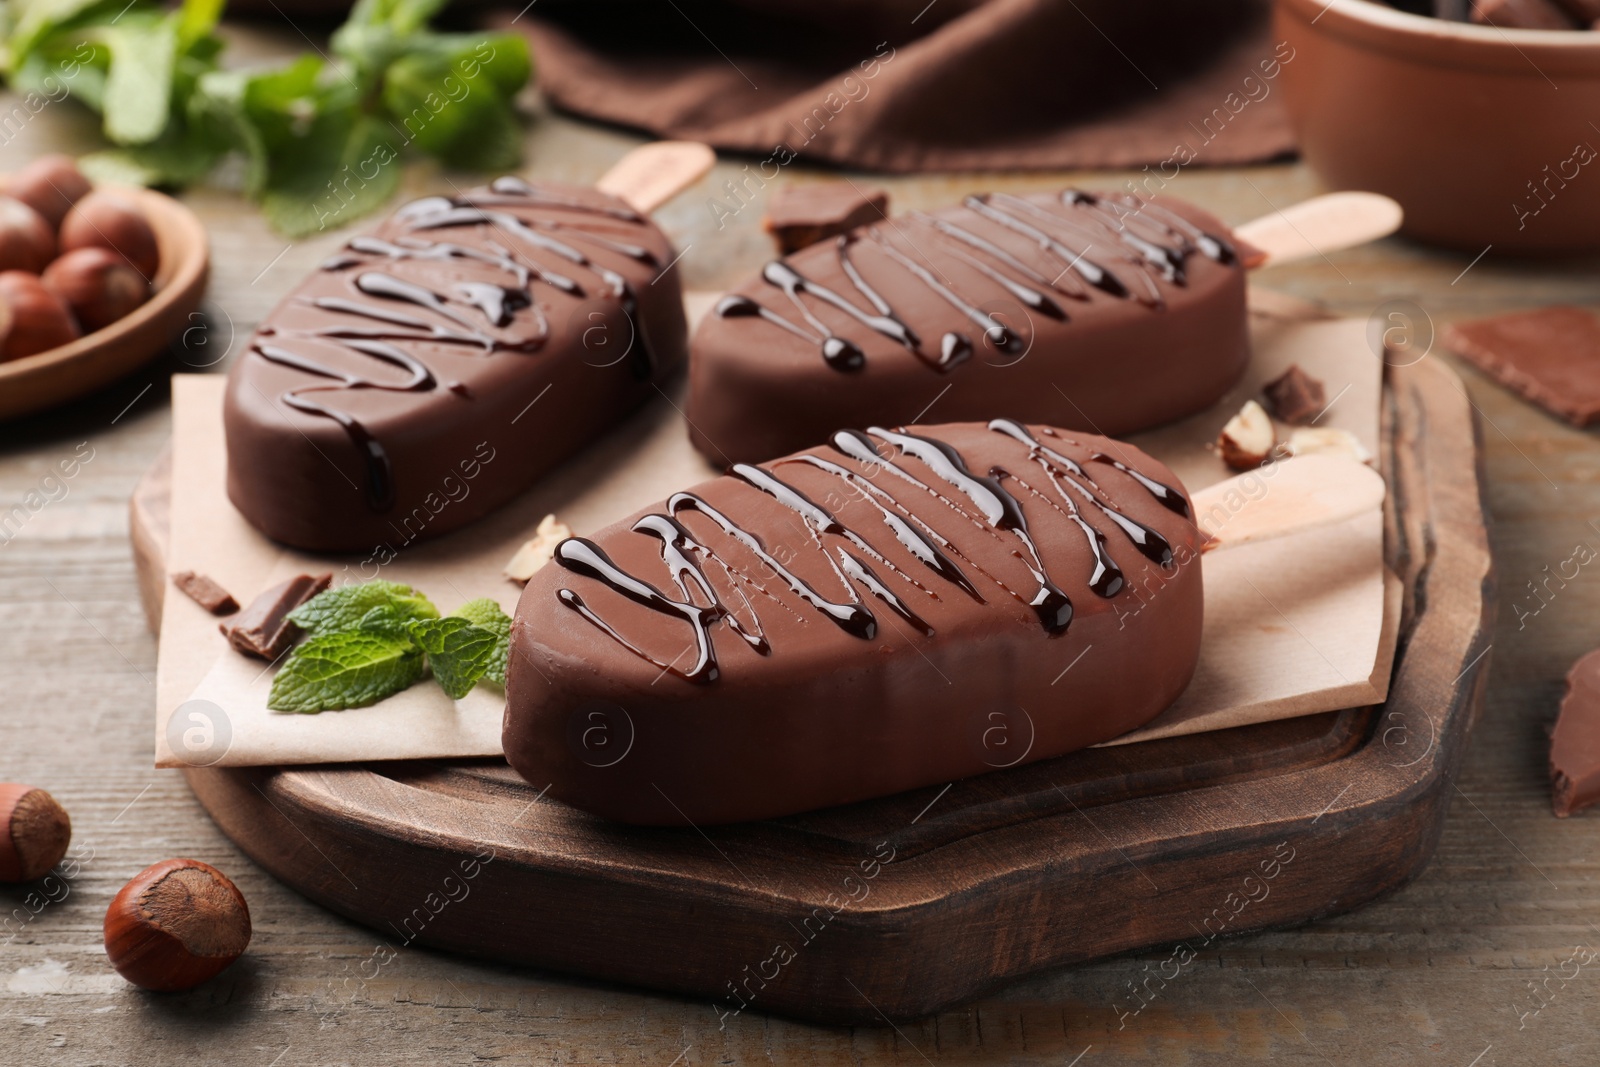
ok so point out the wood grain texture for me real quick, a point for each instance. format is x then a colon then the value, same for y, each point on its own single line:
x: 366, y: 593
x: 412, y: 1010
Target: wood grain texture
x: 1435, y: 974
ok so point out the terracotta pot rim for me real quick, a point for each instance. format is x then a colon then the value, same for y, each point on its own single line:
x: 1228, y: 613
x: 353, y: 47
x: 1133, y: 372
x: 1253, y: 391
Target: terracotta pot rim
x: 1441, y: 42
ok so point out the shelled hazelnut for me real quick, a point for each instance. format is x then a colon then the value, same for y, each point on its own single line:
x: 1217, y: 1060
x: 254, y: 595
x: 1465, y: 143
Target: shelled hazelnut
x: 34, y: 832
x: 175, y: 925
x: 109, y: 220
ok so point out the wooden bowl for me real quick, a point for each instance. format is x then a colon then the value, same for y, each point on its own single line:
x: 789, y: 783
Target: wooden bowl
x: 1462, y: 124
x: 45, y: 379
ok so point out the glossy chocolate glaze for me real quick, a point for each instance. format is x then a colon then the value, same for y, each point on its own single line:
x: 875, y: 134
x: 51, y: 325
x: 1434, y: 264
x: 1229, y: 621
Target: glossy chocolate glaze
x: 390, y: 397
x: 1101, y: 312
x: 844, y: 622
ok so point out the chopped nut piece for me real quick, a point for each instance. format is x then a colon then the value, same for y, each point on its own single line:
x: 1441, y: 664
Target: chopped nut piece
x: 1306, y: 442
x: 537, y: 550
x: 1295, y: 396
x: 1247, y: 440
x: 205, y: 592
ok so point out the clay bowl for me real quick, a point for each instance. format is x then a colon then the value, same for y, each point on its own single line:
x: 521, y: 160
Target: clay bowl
x: 45, y: 379
x: 1480, y: 133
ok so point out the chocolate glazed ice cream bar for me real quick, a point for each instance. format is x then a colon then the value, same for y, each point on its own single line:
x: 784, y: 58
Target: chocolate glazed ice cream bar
x: 1103, y: 312
x: 893, y: 609
x: 437, y: 366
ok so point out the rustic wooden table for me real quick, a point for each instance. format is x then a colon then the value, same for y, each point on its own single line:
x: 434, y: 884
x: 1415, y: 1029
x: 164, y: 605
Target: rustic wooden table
x: 1479, y: 962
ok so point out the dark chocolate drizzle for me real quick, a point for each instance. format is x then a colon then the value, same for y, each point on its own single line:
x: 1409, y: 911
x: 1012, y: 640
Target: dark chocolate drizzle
x: 941, y: 472
x: 1119, y: 245
x: 541, y: 231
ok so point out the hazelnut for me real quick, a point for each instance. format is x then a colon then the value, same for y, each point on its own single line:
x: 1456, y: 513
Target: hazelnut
x: 40, y: 320
x: 537, y: 550
x: 1247, y: 439
x: 99, y: 285
x: 176, y: 924
x: 50, y: 185
x: 27, y: 241
x: 1327, y: 441
x: 34, y: 832
x: 109, y: 220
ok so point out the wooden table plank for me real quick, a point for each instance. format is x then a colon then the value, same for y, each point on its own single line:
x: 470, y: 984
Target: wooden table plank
x: 1436, y: 974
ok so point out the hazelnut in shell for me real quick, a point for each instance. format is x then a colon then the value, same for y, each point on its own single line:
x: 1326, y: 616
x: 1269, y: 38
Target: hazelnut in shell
x: 50, y: 185
x: 27, y: 241
x: 175, y: 925
x: 98, y: 285
x: 40, y: 320
x: 105, y: 219
x: 34, y: 832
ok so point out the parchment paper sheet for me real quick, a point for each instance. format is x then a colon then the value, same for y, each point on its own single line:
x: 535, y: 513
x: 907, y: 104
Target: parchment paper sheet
x: 1292, y: 627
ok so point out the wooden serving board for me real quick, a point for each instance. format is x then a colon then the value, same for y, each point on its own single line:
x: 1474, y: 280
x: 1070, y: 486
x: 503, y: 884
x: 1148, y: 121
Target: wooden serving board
x: 903, y: 906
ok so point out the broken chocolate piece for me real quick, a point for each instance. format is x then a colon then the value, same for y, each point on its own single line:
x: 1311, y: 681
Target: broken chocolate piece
x: 263, y: 629
x: 801, y: 215
x: 1521, y: 15
x: 1295, y: 397
x: 204, y: 591
x: 1550, y: 355
x: 1575, y: 742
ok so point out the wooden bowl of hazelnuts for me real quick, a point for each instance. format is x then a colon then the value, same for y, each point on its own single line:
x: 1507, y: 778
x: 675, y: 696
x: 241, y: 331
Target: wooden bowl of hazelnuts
x: 94, y: 282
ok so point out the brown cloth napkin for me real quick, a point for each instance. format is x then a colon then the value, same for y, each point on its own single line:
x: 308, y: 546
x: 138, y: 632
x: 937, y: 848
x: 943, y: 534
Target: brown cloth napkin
x: 909, y: 85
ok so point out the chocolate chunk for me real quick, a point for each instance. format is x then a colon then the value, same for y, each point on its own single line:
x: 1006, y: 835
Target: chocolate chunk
x: 1522, y: 15
x: 801, y: 215
x: 1575, y: 743
x: 401, y: 391
x: 1295, y: 397
x: 890, y: 610
x: 203, y: 591
x: 263, y: 629
x: 1551, y: 356
x: 1101, y: 312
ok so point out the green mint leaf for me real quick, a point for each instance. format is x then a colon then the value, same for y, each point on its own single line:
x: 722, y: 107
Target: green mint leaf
x: 138, y: 94
x: 389, y: 620
x: 347, y: 607
x: 352, y: 669
x: 488, y: 615
x: 196, y: 20
x: 459, y: 651
x: 343, y: 168
x: 41, y: 18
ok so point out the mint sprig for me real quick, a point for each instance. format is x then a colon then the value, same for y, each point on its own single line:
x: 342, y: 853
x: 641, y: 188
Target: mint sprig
x: 323, y: 137
x: 371, y: 640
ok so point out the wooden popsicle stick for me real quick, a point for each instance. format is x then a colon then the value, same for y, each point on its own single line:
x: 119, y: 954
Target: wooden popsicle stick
x: 654, y: 173
x: 1320, y: 225
x: 1286, y: 497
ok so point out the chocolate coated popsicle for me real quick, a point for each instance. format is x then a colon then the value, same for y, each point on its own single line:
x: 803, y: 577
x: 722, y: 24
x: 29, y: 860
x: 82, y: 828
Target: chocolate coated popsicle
x: 892, y: 609
x: 438, y: 366
x: 1099, y: 312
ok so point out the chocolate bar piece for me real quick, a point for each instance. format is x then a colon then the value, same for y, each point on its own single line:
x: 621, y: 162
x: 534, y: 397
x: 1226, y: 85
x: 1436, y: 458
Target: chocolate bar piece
x: 892, y: 609
x: 1575, y: 744
x: 1295, y: 397
x: 263, y: 629
x: 1551, y: 356
x: 801, y: 215
x: 437, y: 367
x: 1522, y: 15
x: 207, y: 593
x: 1104, y: 312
